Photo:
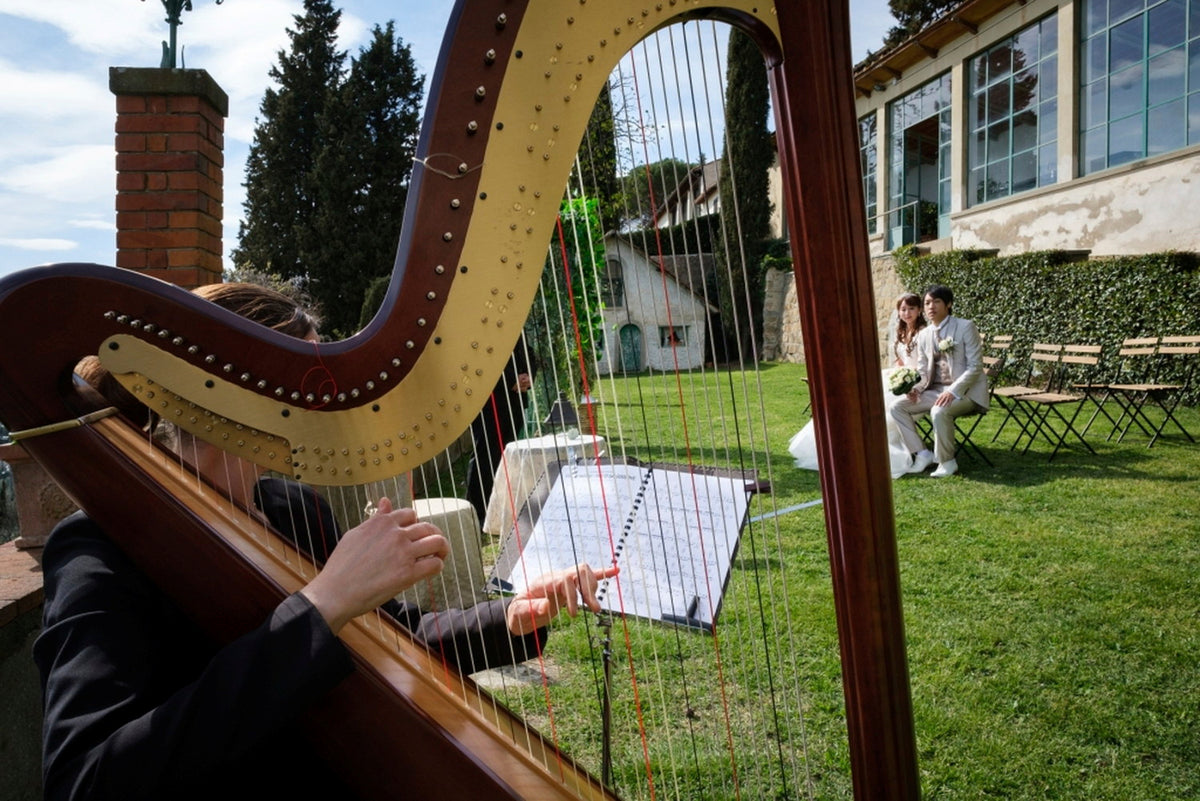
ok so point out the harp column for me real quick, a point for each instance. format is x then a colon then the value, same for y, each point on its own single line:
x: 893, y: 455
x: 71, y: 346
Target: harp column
x: 170, y: 159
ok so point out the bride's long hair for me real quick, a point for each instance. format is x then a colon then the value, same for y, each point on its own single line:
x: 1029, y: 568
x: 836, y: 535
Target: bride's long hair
x: 904, y: 332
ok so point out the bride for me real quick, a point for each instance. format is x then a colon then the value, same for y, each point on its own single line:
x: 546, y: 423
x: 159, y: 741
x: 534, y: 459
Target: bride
x: 902, y: 350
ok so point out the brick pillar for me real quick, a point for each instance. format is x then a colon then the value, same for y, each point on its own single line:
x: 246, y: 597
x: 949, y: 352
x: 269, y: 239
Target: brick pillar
x: 170, y: 160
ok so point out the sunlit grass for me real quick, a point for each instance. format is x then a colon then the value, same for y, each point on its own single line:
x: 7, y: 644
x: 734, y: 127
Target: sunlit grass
x: 1052, y: 618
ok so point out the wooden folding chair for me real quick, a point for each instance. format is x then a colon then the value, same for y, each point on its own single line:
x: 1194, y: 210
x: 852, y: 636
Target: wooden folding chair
x: 1173, y: 370
x: 1039, y: 370
x: 1000, y: 360
x: 999, y: 350
x: 965, y: 424
x: 1044, y: 411
x: 1134, y: 366
x: 999, y: 343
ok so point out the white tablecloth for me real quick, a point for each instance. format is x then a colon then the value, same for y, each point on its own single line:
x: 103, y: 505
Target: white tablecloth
x: 522, y: 465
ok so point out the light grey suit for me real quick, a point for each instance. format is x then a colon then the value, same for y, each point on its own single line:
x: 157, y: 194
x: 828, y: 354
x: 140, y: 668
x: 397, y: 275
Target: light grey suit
x: 967, y: 383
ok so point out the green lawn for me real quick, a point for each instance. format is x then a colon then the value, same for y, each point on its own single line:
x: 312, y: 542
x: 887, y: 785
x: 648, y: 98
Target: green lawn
x: 1052, y: 614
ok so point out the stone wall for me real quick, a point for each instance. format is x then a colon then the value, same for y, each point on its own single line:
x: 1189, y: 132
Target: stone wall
x: 1126, y: 210
x: 782, y: 338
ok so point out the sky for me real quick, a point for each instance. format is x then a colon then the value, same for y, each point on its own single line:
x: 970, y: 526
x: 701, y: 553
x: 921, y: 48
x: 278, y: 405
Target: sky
x: 57, y: 180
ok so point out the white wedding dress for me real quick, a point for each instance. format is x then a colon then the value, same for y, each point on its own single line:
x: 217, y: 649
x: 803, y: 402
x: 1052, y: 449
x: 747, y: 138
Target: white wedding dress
x: 803, y: 446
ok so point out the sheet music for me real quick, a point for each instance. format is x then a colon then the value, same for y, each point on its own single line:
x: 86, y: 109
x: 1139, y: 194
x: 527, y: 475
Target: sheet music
x: 672, y: 531
x: 679, y: 552
x: 576, y: 522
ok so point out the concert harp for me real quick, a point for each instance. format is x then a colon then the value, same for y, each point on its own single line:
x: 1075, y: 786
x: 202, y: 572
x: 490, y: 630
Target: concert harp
x: 509, y: 102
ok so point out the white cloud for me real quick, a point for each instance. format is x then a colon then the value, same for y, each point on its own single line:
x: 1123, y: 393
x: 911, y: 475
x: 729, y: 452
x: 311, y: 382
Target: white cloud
x: 93, y: 224
x: 27, y: 93
x: 79, y: 174
x: 39, y: 244
x: 98, y: 26
x: 237, y: 44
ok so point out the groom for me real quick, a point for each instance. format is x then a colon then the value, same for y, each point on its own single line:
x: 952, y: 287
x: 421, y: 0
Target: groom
x: 950, y: 361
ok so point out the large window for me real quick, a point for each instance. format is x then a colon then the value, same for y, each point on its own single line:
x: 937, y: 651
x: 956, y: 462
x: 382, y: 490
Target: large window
x: 612, y: 285
x: 1140, y: 80
x: 1013, y: 114
x: 919, y: 164
x: 869, y: 152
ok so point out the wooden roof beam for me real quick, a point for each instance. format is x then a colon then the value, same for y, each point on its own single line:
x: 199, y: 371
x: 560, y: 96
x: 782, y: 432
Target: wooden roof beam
x: 970, y: 26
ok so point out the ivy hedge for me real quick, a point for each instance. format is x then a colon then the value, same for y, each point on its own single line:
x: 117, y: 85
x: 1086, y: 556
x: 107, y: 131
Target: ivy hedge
x: 1057, y: 296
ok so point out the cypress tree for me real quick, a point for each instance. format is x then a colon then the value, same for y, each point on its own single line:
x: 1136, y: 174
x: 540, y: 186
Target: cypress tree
x: 279, y: 194
x: 745, y: 199
x: 360, y: 178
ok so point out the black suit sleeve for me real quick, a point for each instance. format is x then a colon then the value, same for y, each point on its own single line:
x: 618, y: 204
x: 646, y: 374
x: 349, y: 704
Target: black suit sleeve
x: 137, y: 704
x: 469, y: 639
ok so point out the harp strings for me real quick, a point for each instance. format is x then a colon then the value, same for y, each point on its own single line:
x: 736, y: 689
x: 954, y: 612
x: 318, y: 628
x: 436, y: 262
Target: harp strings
x: 656, y: 658
x: 753, y: 723
x: 778, y: 638
x: 652, y: 419
x: 670, y: 81
x: 721, y: 422
x: 785, y: 707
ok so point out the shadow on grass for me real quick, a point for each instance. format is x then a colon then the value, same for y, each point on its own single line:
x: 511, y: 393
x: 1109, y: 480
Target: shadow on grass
x: 1016, y: 469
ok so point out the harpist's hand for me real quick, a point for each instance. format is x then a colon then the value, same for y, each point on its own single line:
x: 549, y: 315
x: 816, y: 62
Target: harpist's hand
x: 373, y: 562
x: 523, y: 383
x: 541, y: 601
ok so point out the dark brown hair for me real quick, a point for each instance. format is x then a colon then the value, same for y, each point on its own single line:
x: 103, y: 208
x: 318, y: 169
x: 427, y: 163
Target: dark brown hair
x: 253, y: 301
x: 262, y: 305
x: 903, y: 334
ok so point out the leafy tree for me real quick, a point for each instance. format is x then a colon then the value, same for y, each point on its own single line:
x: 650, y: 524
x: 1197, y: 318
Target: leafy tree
x: 573, y: 286
x: 598, y: 162
x: 373, y: 297
x: 360, y: 178
x: 646, y: 186
x: 328, y: 173
x: 912, y: 16
x: 745, y: 198
x: 279, y: 194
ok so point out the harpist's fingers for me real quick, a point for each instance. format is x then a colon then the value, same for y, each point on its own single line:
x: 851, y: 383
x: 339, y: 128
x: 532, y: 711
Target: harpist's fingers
x: 540, y: 612
x: 403, y: 517
x: 587, y: 587
x: 428, y: 541
x: 590, y: 578
x: 570, y: 593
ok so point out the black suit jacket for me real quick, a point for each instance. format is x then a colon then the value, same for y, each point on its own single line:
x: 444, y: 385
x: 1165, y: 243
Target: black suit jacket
x: 140, y: 705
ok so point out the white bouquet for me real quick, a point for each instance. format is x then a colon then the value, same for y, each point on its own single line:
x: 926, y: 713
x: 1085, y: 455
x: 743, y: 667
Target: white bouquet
x: 903, y: 379
x: 945, y: 345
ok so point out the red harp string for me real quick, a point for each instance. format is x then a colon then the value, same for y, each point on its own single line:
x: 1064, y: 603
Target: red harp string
x: 701, y: 716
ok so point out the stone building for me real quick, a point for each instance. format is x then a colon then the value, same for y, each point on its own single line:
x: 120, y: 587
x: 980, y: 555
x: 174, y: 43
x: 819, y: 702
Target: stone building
x: 1018, y: 125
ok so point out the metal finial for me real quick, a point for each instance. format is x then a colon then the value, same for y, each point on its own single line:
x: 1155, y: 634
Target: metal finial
x: 174, y: 8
